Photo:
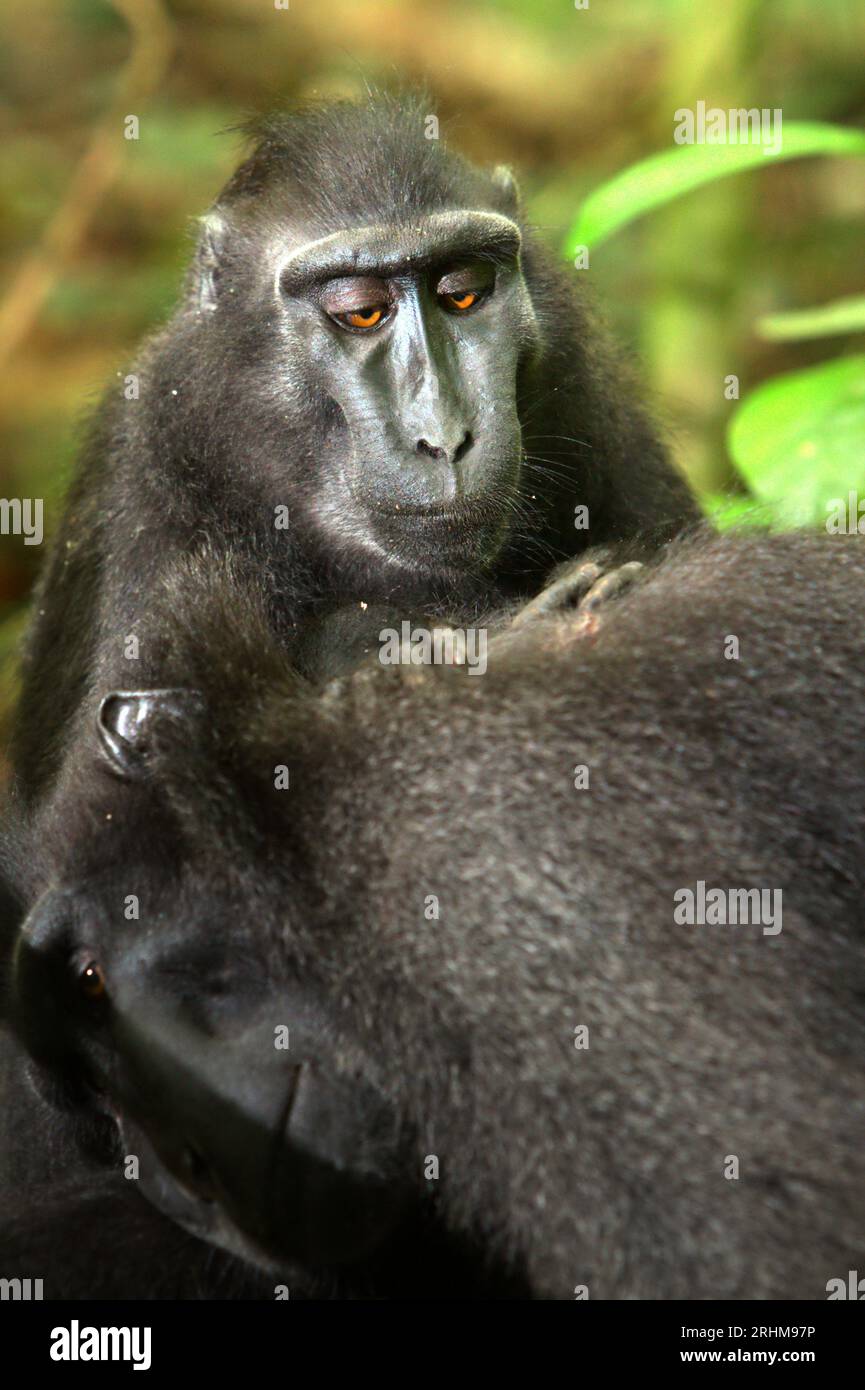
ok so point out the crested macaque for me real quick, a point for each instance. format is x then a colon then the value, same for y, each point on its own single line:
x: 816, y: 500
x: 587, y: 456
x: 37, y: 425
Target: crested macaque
x: 590, y: 978
x: 377, y: 386
x: 378, y: 389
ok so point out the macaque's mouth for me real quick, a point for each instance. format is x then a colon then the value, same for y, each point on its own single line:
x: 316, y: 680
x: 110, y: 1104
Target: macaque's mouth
x: 473, y: 512
x: 465, y: 503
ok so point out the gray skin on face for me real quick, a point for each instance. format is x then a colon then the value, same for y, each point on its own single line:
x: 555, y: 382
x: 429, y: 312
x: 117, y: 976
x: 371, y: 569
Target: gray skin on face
x: 412, y: 337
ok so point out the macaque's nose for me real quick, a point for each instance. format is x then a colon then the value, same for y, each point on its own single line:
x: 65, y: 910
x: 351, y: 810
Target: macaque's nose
x: 450, y: 452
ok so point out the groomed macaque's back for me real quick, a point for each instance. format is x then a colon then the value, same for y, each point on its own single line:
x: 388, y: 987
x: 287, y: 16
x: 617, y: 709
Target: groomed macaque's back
x: 594, y: 919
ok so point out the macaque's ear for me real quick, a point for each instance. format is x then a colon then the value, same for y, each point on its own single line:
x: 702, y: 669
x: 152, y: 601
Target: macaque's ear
x: 205, y: 272
x: 129, y: 720
x: 504, y: 180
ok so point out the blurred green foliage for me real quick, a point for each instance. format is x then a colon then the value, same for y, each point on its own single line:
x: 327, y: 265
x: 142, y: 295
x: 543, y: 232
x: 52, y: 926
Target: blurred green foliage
x: 663, y: 177
x: 797, y: 440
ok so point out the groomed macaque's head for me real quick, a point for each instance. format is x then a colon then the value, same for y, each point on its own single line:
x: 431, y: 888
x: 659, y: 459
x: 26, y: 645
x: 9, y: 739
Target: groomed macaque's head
x: 141, y: 985
x: 356, y: 326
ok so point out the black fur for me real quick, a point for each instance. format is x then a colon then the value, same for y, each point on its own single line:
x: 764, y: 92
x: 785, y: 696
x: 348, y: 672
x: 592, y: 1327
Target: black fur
x: 602, y: 1167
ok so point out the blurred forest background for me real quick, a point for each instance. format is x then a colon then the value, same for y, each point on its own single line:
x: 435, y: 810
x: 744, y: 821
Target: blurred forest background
x: 97, y: 228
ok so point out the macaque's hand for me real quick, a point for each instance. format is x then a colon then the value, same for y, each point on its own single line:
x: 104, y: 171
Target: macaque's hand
x: 583, y: 586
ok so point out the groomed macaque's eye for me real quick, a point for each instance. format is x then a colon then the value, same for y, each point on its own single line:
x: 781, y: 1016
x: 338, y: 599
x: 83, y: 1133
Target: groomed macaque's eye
x: 91, y: 980
x: 465, y: 287
x: 359, y: 303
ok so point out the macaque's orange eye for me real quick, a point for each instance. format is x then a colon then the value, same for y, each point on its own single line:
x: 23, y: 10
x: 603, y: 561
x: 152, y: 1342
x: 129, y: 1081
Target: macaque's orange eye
x: 365, y: 318
x: 464, y: 286
x: 92, y: 981
x: 462, y: 300
x: 359, y: 302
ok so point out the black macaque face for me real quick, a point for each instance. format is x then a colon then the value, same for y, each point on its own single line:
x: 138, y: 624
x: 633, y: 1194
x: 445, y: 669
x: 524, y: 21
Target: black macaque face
x: 378, y: 366
x: 356, y: 334
x: 145, y: 998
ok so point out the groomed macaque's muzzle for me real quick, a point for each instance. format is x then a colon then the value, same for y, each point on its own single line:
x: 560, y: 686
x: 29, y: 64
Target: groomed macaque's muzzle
x: 255, y: 1144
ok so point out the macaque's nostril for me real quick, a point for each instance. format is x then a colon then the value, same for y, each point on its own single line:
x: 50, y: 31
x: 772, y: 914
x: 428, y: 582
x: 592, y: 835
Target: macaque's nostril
x: 463, y: 448
x: 435, y: 451
x: 430, y: 450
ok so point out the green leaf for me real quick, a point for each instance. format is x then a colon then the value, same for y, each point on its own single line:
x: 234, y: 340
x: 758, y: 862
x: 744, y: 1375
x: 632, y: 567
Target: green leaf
x: 841, y: 316
x: 728, y: 509
x: 797, y: 440
x: 663, y: 177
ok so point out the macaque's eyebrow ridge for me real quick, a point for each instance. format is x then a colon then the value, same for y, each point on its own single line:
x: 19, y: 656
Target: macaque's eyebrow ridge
x: 388, y: 249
